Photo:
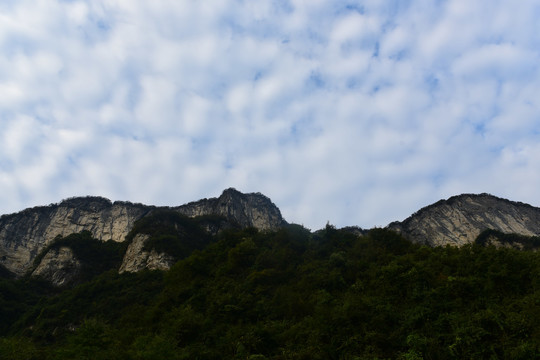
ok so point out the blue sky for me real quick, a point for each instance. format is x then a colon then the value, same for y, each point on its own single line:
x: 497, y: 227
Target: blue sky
x: 348, y: 112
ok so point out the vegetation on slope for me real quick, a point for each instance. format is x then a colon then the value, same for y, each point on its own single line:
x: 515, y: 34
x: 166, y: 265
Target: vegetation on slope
x: 173, y: 233
x: 96, y: 256
x: 521, y: 242
x: 291, y: 294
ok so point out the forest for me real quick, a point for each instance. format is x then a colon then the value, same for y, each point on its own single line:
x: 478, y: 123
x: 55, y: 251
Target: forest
x: 286, y: 294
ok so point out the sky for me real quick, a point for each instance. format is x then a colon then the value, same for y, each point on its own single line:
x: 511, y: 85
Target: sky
x: 341, y: 112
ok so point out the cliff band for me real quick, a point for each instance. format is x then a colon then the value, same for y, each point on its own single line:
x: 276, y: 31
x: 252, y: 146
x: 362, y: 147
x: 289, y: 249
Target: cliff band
x: 23, y: 235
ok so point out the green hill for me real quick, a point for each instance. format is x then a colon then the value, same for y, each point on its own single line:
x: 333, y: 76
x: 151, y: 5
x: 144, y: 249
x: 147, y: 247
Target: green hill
x: 287, y: 294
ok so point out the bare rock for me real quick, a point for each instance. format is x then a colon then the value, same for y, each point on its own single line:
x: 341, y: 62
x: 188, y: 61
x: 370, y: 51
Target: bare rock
x: 59, y: 266
x: 247, y: 210
x: 137, y: 258
x: 460, y: 219
x: 25, y: 234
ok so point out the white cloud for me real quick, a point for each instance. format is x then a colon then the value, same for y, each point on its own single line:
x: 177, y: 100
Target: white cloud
x: 498, y: 61
x: 18, y: 136
x: 353, y: 28
x: 343, y: 112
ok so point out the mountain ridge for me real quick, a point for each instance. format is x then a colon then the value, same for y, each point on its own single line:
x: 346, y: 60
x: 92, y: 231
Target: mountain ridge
x: 460, y: 219
x: 24, y: 234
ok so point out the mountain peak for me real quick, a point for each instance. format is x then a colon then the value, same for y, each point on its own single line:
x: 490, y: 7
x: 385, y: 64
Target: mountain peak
x: 245, y: 209
x: 96, y: 202
x: 459, y: 219
x: 23, y: 235
x: 231, y: 192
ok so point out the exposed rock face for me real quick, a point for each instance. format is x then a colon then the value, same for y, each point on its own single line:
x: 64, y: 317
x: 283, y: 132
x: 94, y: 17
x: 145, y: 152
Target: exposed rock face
x: 460, y: 219
x: 23, y: 235
x: 248, y: 210
x: 137, y: 259
x: 59, y: 266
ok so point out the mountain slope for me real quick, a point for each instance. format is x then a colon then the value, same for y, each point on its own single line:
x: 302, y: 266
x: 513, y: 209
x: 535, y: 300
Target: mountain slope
x: 25, y: 234
x: 460, y: 219
x: 456, y: 221
x: 247, y: 210
x: 290, y: 294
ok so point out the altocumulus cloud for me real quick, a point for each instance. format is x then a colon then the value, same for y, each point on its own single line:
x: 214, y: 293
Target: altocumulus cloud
x: 353, y: 112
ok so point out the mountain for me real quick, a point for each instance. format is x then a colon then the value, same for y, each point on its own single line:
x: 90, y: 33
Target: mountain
x: 37, y: 240
x: 25, y: 234
x: 233, y: 292
x: 460, y: 219
x: 247, y: 210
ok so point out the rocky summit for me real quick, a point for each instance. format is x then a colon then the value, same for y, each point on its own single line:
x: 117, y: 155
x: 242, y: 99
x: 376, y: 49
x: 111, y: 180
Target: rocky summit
x: 247, y: 210
x: 460, y: 219
x: 31, y: 240
x: 25, y: 234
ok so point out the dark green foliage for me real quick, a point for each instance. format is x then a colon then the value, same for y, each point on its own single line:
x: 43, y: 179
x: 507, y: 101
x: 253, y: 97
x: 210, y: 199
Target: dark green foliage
x: 173, y: 233
x: 5, y: 273
x: 111, y: 296
x: 17, y: 296
x: 96, y: 256
x: 18, y: 348
x: 291, y: 294
x: 510, y: 240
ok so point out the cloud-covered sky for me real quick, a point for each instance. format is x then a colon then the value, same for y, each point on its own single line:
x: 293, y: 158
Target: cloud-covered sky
x: 348, y: 112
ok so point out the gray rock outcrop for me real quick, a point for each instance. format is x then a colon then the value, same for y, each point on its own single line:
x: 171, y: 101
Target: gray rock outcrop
x: 137, y: 258
x: 247, y: 210
x: 25, y: 234
x: 460, y: 219
x: 59, y: 266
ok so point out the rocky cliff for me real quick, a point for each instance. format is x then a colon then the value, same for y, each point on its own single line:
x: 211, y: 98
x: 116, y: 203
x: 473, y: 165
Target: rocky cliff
x: 247, y: 210
x: 59, y: 266
x: 456, y: 221
x: 460, y: 219
x: 23, y: 235
x: 138, y: 258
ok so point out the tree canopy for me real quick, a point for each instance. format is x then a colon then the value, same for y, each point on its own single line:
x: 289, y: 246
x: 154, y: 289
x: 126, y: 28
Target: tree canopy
x: 289, y: 294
